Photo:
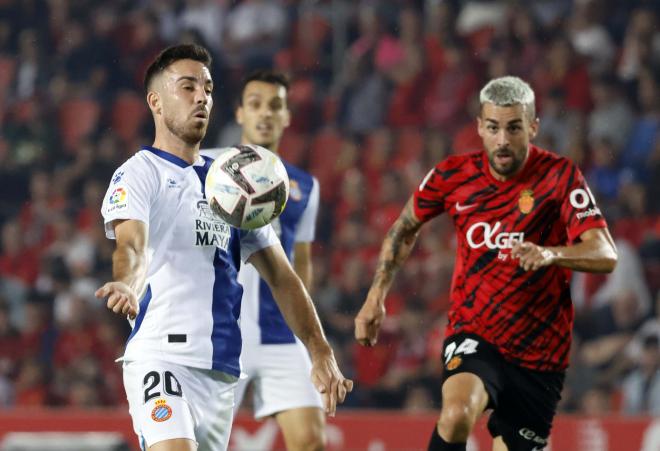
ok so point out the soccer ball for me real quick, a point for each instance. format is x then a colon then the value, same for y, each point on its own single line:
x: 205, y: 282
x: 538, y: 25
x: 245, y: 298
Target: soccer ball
x: 247, y: 186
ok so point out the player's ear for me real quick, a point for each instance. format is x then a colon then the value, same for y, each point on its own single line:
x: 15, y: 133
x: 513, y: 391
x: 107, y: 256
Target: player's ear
x: 480, y: 126
x: 533, y: 128
x: 153, y: 100
x: 287, y: 117
x: 239, y: 114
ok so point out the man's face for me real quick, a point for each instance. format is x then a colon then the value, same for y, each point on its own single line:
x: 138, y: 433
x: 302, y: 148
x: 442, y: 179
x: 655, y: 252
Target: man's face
x: 263, y: 114
x: 506, y: 132
x: 184, y: 89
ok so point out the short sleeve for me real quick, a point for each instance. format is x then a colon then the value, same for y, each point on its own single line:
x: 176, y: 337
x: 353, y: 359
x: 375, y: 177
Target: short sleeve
x: 429, y: 198
x: 257, y: 239
x: 128, y: 196
x: 578, y: 207
x: 307, y: 227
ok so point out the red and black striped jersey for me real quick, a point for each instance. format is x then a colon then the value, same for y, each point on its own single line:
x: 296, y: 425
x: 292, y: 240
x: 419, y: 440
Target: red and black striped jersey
x: 528, y: 315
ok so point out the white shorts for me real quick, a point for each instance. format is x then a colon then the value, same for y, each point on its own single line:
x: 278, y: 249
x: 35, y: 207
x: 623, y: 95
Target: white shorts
x: 280, y: 377
x: 167, y: 401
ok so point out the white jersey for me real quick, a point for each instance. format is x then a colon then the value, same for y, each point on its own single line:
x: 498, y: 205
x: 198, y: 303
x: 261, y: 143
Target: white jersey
x: 190, y: 308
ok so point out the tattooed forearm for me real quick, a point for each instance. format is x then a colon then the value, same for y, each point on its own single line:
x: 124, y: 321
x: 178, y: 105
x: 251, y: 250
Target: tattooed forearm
x: 397, y: 246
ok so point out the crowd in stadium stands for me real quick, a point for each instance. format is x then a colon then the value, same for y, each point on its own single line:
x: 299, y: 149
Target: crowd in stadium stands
x: 382, y: 90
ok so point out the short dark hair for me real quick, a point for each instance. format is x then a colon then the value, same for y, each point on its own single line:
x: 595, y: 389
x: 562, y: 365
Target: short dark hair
x: 173, y: 54
x: 265, y: 75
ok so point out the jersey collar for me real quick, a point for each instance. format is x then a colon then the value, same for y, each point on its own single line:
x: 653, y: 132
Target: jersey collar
x: 171, y: 157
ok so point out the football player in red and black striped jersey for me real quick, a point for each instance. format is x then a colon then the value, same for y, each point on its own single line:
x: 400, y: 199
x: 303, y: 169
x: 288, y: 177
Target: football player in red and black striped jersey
x: 524, y: 218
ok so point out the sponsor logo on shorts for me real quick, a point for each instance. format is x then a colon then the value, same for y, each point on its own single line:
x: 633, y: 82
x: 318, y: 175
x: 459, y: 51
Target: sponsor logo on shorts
x: 528, y: 434
x: 454, y: 363
x: 162, y: 412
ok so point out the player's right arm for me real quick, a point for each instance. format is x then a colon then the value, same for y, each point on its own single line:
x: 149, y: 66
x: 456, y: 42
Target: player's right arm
x: 129, y: 268
x: 394, y: 251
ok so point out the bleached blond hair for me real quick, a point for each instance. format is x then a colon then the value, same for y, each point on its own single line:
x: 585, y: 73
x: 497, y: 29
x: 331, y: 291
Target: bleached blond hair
x: 508, y: 91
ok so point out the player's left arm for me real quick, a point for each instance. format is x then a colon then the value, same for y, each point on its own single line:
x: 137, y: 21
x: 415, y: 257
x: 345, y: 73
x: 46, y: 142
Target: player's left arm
x: 300, y: 315
x: 595, y: 252
x: 302, y: 263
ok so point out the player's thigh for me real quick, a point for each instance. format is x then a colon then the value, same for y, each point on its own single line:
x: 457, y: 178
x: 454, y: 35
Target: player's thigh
x: 472, y: 373
x: 174, y: 402
x: 527, y: 408
x: 157, y: 402
x: 303, y: 428
x: 498, y: 444
x: 177, y: 444
x: 284, y: 380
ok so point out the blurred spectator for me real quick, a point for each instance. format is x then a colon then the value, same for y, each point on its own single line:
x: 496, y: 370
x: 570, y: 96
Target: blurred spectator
x: 448, y: 94
x: 208, y: 18
x: 31, y: 384
x: 604, y: 174
x: 255, y: 30
x: 612, y: 118
x: 641, y: 388
x: 556, y: 123
x: 406, y: 68
x: 589, y: 37
x: 563, y: 69
x: 641, y: 44
x: 596, y: 402
x: 646, y: 128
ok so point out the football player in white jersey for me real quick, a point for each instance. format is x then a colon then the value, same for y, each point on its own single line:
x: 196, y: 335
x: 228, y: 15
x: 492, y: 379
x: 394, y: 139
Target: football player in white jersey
x: 175, y: 274
x: 275, y: 361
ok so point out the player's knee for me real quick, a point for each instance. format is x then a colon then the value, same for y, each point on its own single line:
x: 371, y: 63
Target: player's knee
x: 308, y: 439
x: 456, y: 421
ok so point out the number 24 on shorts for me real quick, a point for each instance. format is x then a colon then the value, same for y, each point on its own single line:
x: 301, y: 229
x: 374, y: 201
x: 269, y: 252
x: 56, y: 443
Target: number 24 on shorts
x: 467, y: 346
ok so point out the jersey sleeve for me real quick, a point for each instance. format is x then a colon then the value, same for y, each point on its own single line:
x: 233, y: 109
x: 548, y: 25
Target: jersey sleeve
x: 429, y: 198
x: 128, y: 196
x: 578, y: 207
x: 307, y: 227
x: 257, y: 239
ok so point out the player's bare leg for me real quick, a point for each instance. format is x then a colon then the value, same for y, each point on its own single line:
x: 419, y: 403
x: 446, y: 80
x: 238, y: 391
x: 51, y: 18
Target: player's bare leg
x: 177, y: 444
x: 498, y: 444
x: 464, y: 398
x: 303, y: 429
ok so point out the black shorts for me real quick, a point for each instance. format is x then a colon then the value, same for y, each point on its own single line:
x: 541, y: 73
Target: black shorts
x: 524, y: 401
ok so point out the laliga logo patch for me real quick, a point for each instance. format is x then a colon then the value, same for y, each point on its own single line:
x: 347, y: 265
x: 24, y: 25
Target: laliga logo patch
x: 162, y: 412
x: 454, y: 363
x: 526, y: 201
x: 117, y: 196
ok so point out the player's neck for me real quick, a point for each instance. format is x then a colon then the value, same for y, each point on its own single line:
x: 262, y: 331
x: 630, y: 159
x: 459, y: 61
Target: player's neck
x: 177, y: 147
x: 273, y: 147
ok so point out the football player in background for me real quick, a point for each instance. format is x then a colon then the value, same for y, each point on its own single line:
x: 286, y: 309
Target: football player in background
x: 273, y: 358
x: 524, y: 219
x: 181, y: 363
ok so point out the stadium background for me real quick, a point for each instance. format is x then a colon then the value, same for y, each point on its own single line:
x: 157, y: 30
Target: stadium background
x: 381, y: 91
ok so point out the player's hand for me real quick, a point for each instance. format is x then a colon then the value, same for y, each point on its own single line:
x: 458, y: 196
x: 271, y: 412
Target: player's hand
x: 368, y: 322
x: 121, y: 298
x: 329, y: 381
x: 532, y: 256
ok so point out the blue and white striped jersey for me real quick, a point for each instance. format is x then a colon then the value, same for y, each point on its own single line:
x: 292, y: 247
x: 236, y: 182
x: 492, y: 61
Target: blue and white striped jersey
x: 190, y: 308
